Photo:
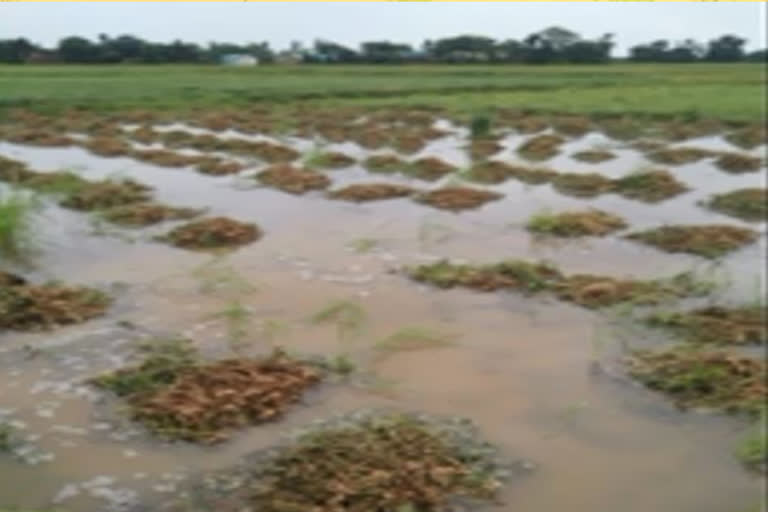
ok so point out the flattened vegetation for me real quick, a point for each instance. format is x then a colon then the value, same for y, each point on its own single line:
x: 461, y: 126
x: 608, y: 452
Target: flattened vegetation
x: 106, y: 194
x: 394, y: 462
x: 362, y: 192
x: 736, y: 163
x: 748, y: 137
x: 219, y: 167
x: 212, y: 233
x: 27, y: 307
x: 177, y: 397
x: 512, y: 274
x: 593, y: 156
x: 582, y: 185
x: 594, y: 291
x: 703, y: 378
x: 650, y: 186
x: 494, y: 172
x: 457, y: 198
x: 710, y: 241
x: 292, y: 179
x: 483, y: 148
x: 430, y: 168
x: 716, y: 325
x: 385, y: 164
x: 749, y: 204
x: 146, y: 214
x: 332, y: 160
x: 679, y: 156
x: 591, y: 291
x: 541, y: 147
x: 576, y: 223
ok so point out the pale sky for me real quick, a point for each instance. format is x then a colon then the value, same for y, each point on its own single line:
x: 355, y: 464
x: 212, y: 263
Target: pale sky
x: 353, y: 22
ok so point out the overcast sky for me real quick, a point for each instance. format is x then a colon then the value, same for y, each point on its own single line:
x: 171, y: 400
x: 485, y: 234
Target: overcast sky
x: 352, y: 22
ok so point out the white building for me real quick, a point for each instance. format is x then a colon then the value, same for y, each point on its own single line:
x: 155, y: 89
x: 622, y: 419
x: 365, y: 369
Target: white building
x: 238, y: 59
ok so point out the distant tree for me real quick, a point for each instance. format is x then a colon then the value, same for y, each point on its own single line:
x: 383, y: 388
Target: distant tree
x: 510, y: 51
x: 79, y: 49
x: 650, y: 52
x: 757, y: 56
x: 16, y: 51
x: 385, y: 51
x: 328, y: 51
x: 685, y: 51
x: 727, y: 48
x: 463, y: 48
x: 661, y: 51
x: 588, y: 51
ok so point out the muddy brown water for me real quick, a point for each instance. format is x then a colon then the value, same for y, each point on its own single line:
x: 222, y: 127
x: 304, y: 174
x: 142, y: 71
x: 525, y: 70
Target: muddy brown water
x: 521, y: 367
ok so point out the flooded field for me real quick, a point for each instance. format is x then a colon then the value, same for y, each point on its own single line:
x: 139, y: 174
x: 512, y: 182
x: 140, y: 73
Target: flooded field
x: 294, y: 256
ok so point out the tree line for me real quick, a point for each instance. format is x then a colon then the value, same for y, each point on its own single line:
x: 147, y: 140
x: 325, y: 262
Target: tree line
x: 551, y: 45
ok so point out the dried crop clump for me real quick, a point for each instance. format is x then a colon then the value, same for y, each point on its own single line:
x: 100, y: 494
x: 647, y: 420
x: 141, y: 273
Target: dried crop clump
x: 372, y: 192
x: 593, y: 291
x: 749, y: 137
x: 179, y: 398
x: 395, y: 463
x: 26, y: 307
x: 7, y: 279
x: 573, y: 126
x: 710, y: 241
x: 165, y: 158
x: 700, y: 378
x: 512, y: 274
x: 649, y: 186
x: 293, y: 180
x: 332, y: 160
x: 385, y: 164
x: 483, y: 148
x: 39, y: 138
x: 593, y: 156
x: 717, y: 325
x: 679, y: 156
x: 494, y: 172
x: 212, y: 233
x: 106, y: 194
x: 458, y: 198
x: 541, y: 147
x: 749, y: 204
x: 219, y: 167
x: 738, y: 163
x: 146, y: 214
x: 108, y: 146
x: 578, y: 223
x: 430, y: 168
x: 582, y: 185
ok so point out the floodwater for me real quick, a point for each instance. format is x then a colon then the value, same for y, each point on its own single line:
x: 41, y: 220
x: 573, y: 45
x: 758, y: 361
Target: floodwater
x: 522, y: 368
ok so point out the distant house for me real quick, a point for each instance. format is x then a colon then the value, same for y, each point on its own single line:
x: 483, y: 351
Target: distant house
x: 238, y: 59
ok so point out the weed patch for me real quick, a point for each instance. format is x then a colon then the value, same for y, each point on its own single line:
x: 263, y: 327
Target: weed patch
x: 362, y: 192
x: 702, y: 378
x: 711, y: 241
x: 456, y: 198
x: 716, y: 325
x: 17, y: 219
x: 578, y: 223
x: 293, y: 180
x: 211, y: 233
x: 749, y: 204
